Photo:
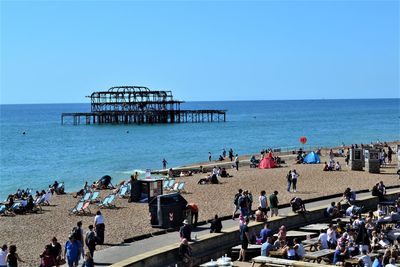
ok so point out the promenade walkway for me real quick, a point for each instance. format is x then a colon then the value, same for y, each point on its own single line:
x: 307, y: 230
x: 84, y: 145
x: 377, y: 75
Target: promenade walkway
x: 123, y: 251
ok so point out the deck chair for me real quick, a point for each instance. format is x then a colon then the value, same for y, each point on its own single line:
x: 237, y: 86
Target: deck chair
x: 94, y: 197
x: 60, y: 189
x: 77, y: 209
x: 104, y: 202
x: 181, y: 187
x: 171, y: 185
x: 86, y: 196
x: 166, y: 184
x: 123, y: 191
x: 85, y: 208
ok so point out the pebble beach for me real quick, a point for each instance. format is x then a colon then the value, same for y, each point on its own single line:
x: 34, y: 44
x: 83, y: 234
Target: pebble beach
x: 32, y: 232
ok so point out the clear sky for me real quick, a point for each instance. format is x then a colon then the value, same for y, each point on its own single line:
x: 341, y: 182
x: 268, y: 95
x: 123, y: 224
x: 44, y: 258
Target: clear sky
x: 59, y: 52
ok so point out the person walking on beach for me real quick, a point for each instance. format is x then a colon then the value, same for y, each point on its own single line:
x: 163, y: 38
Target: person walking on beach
x: 12, y: 257
x: 224, y: 153
x: 295, y: 175
x: 273, y: 203
x: 244, y: 237
x: 164, y: 163
x: 263, y: 203
x: 100, y: 227
x: 236, y: 202
x: 209, y: 156
x: 72, y: 251
x: 230, y: 154
x: 237, y: 162
x: 56, y: 250
x: 91, y: 240
x: 289, y: 180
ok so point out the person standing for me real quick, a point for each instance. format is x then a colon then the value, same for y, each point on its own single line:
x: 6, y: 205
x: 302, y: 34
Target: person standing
x: 185, y: 232
x: 244, y: 237
x: 12, y: 257
x: 216, y: 225
x: 3, y: 255
x: 289, y: 180
x: 295, y: 175
x: 185, y: 253
x: 164, y: 163
x: 194, y: 209
x: 263, y: 203
x: 236, y: 202
x: 72, y: 250
x: 237, y: 162
x: 100, y: 227
x: 224, y: 153
x: 56, y: 250
x: 91, y: 240
x: 273, y: 203
x: 47, y: 259
x: 230, y: 153
x: 209, y: 156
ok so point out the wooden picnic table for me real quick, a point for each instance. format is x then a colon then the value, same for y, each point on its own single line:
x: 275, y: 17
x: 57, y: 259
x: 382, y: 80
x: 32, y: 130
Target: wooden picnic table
x: 317, y: 227
x: 344, y: 219
x: 319, y: 254
x: 280, y: 253
x: 354, y: 261
x: 268, y: 261
x: 301, y: 234
x: 311, y: 243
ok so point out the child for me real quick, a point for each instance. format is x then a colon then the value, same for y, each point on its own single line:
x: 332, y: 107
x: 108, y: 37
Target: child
x: 88, y: 260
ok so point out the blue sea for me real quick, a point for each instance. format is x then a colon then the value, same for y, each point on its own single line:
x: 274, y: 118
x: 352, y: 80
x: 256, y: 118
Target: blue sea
x: 75, y: 154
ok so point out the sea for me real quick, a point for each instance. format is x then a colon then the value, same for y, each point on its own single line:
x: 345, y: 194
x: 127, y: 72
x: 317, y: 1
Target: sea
x: 49, y: 151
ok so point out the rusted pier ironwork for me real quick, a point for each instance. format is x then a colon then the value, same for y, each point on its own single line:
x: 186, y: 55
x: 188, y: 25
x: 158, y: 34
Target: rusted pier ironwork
x: 138, y: 105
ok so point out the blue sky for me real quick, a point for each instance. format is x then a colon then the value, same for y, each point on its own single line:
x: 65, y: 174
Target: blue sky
x: 59, y: 52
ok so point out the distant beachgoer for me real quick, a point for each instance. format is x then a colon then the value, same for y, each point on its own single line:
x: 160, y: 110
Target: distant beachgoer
x: 56, y: 250
x: 46, y: 258
x: 72, y: 251
x: 295, y: 175
x: 88, y: 260
x: 237, y: 162
x: 338, y: 167
x: 389, y: 155
x: 224, y: 153
x: 230, y: 153
x: 185, y: 253
x: 164, y: 163
x: 185, y: 232
x: 100, y: 227
x: 91, y: 240
x: 263, y: 203
x: 195, y: 213
x: 209, y: 156
x: 12, y: 257
x: 289, y: 180
x: 243, y: 203
x: 236, y: 202
x: 273, y: 203
x: 216, y: 225
x: 244, y: 237
x: 3, y: 255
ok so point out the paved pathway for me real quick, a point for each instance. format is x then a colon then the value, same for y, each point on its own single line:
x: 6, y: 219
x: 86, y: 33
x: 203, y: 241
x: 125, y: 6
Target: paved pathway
x: 118, y: 253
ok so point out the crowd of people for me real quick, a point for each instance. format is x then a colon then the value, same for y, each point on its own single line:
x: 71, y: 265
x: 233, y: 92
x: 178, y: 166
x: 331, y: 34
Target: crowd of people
x: 25, y: 201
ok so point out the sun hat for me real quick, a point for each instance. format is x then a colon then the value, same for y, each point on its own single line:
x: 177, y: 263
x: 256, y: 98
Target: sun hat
x: 185, y: 221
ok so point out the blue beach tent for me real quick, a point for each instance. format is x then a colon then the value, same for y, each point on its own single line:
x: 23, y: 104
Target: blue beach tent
x: 312, y: 157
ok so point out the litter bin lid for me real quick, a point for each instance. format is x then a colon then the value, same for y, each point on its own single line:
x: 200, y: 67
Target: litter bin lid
x: 173, y: 198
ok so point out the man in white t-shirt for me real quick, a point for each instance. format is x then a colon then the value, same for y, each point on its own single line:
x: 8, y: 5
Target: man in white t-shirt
x: 331, y: 232
x: 323, y: 240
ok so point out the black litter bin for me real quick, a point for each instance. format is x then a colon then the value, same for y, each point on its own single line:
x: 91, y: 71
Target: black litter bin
x: 167, y: 211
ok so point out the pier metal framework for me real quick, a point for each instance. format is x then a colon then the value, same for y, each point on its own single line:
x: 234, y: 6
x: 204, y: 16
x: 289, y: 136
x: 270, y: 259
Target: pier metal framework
x: 138, y: 105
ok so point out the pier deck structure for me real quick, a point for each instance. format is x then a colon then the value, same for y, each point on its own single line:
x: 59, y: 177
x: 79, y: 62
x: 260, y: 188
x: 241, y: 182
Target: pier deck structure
x: 138, y: 105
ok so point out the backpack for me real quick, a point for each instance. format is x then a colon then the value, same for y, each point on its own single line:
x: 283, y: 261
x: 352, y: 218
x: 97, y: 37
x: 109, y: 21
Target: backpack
x: 91, y: 239
x: 236, y: 199
x: 76, y: 233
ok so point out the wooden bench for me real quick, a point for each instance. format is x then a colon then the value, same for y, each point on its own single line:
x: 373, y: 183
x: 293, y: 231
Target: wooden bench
x: 269, y: 261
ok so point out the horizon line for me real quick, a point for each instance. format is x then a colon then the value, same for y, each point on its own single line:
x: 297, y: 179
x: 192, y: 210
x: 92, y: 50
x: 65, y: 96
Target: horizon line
x: 244, y: 100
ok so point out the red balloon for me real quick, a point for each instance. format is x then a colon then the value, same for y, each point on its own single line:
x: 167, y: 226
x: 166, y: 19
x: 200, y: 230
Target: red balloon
x: 303, y: 140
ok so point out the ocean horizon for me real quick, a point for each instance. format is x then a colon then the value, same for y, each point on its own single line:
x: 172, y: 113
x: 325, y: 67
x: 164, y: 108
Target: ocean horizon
x: 49, y: 151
